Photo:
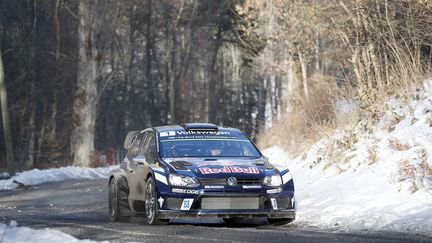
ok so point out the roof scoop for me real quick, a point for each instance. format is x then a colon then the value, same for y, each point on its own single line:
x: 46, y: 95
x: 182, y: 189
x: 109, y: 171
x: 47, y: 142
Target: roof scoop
x: 199, y: 127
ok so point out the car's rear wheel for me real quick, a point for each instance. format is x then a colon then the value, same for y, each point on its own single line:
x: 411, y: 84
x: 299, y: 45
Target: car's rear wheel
x: 118, y: 203
x: 151, y: 205
x: 276, y: 222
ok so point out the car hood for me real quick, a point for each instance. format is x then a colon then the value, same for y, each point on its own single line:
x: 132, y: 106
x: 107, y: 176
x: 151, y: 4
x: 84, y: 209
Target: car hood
x: 211, y: 168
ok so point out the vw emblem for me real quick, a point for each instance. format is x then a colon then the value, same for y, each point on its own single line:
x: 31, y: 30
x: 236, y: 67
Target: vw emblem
x: 232, y: 181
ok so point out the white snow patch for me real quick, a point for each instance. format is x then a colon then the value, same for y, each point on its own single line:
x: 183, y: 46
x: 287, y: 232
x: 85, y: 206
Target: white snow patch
x: 36, y: 176
x: 12, y: 233
x: 363, y: 186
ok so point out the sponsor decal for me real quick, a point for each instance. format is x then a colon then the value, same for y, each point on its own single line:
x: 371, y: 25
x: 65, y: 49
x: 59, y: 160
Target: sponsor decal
x: 274, y: 203
x: 166, y: 134
x: 187, y: 191
x: 160, y: 201
x: 161, y: 178
x: 163, y: 134
x: 214, y: 187
x: 229, y: 169
x: 187, y: 204
x: 277, y: 190
x: 286, y: 177
x: 202, y: 133
x: 251, y: 187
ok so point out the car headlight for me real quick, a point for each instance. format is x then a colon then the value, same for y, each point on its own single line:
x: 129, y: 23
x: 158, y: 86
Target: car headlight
x: 183, y: 181
x: 273, y: 180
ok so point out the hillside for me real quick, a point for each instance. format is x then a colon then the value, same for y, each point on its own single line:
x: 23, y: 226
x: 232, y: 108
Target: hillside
x: 371, y: 175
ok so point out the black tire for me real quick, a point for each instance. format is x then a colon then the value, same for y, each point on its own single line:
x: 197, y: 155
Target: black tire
x: 230, y: 221
x: 151, y: 205
x: 118, y: 200
x: 277, y: 222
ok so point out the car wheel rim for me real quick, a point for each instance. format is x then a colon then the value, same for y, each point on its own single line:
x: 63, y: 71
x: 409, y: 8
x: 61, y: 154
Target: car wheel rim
x: 149, y: 201
x: 113, y: 201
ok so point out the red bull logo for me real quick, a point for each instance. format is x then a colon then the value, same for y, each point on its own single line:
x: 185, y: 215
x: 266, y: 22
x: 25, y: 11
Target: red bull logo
x: 229, y: 169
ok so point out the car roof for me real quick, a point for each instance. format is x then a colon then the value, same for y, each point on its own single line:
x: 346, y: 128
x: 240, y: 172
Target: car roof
x: 181, y: 128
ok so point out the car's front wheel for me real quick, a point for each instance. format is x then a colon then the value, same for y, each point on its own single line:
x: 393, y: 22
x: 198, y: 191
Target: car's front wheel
x: 151, y: 205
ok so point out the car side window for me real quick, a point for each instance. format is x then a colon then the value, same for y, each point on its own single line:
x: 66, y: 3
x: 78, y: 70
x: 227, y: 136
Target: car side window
x: 150, y: 148
x: 136, y: 146
x: 142, y: 150
x: 151, y: 145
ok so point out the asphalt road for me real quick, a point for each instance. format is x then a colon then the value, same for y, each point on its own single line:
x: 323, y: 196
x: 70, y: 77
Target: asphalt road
x: 80, y: 208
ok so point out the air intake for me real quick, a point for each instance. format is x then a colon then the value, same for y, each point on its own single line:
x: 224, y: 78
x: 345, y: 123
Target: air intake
x: 199, y: 127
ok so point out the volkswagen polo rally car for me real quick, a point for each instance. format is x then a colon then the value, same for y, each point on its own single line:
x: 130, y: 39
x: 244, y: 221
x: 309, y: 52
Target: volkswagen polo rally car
x: 198, y: 170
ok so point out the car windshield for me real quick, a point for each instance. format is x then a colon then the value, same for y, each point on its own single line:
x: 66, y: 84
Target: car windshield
x: 207, y: 148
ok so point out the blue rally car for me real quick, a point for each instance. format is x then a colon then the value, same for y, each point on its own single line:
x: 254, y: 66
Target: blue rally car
x: 198, y: 170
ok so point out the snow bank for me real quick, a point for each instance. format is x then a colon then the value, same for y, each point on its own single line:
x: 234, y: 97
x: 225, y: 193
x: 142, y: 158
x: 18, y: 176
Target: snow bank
x: 12, y: 233
x: 36, y: 176
x: 369, y: 177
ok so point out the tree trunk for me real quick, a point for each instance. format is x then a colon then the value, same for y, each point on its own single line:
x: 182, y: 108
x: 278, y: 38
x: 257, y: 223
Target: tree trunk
x: 85, y: 99
x: 6, y: 126
x: 148, y: 67
x: 292, y: 84
x: 317, y: 54
x: 173, y: 84
x: 212, y: 92
x: 376, y: 65
x: 29, y: 161
x: 303, y: 66
x: 53, y: 117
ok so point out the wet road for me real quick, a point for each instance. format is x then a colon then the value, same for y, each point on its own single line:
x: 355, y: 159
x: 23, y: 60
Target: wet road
x: 80, y: 208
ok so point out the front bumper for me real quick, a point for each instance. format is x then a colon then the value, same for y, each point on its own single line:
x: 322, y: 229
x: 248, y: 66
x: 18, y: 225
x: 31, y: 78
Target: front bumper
x: 172, y: 214
x: 274, y: 205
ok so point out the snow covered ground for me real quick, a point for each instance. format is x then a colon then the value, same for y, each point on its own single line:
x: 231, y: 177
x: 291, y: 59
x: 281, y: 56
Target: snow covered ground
x: 35, y: 176
x: 369, y: 177
x: 13, y: 233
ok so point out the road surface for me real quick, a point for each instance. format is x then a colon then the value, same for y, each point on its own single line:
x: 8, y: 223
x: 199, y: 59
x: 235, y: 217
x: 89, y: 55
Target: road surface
x: 79, y: 208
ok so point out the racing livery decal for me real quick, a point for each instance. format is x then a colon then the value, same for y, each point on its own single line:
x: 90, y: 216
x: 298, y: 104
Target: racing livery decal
x: 229, y: 169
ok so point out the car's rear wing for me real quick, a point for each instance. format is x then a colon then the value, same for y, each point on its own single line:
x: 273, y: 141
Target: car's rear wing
x: 129, y: 138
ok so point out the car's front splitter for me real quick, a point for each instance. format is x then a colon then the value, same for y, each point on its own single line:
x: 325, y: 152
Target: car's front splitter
x: 172, y: 214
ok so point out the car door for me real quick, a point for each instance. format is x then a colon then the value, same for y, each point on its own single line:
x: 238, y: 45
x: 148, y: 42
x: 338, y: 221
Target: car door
x: 133, y: 166
x: 147, y: 151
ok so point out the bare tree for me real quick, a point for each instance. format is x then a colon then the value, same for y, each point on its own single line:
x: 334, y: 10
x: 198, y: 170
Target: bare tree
x: 86, y: 92
x: 6, y: 125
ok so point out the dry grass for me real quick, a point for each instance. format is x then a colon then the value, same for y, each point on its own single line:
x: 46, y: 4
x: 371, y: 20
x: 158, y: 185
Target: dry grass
x: 429, y: 121
x: 416, y: 172
x: 394, y: 121
x: 311, y: 120
x: 397, y: 145
x: 372, y: 154
x: 408, y: 172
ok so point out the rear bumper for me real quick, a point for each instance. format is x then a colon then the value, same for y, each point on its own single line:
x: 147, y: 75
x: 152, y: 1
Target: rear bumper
x: 172, y: 214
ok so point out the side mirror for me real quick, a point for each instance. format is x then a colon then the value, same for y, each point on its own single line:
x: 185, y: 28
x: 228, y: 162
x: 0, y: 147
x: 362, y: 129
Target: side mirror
x: 140, y: 159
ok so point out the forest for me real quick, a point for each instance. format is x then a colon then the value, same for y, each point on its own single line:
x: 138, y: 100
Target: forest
x: 76, y: 76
